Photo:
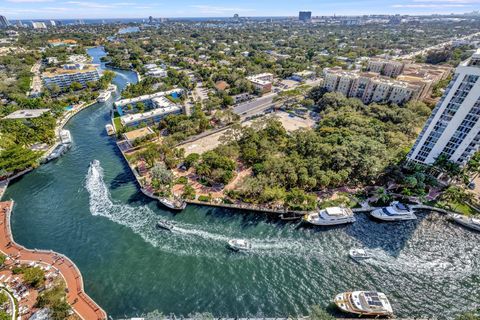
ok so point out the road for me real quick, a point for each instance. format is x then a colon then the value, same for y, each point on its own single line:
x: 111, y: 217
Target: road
x: 259, y: 103
x: 36, y: 85
x: 437, y: 46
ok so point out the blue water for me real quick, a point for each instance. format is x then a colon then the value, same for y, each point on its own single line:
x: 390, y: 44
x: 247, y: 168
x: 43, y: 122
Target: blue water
x: 97, y: 216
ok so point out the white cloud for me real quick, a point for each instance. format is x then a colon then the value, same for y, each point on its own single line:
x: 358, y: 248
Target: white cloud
x: 28, y: 1
x: 430, y: 5
x: 207, y: 9
x: 92, y: 5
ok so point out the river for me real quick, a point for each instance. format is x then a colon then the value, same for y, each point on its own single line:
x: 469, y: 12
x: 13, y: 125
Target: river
x: 97, y: 217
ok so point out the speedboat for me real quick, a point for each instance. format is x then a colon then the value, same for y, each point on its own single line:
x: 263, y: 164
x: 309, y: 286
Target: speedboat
x: 471, y: 223
x: 359, y: 254
x: 330, y: 216
x: 239, y: 245
x: 57, y: 152
x: 65, y: 136
x: 174, y: 204
x: 397, y: 211
x: 164, y: 224
x: 110, y: 129
x: 368, y: 303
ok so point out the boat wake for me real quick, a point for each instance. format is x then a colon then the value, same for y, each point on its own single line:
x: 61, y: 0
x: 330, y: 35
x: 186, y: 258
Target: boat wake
x: 142, y: 220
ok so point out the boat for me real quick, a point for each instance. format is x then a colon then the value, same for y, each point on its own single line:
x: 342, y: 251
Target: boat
x: 397, y: 211
x: 164, y: 224
x: 289, y: 217
x: 368, y: 303
x: 57, y: 152
x: 359, y: 254
x: 330, y: 216
x: 112, y: 88
x: 471, y: 223
x: 65, y: 136
x: 110, y: 129
x: 104, y: 96
x: 174, y: 204
x: 239, y: 245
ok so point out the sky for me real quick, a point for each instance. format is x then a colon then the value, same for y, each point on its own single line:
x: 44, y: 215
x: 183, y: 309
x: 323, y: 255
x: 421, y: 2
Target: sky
x: 74, y: 9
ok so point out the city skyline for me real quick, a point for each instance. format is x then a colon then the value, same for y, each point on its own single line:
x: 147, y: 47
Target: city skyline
x: 73, y: 9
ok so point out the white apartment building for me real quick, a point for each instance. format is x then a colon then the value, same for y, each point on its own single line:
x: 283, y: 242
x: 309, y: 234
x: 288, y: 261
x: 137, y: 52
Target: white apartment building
x: 453, y: 128
x: 369, y: 86
x: 69, y: 73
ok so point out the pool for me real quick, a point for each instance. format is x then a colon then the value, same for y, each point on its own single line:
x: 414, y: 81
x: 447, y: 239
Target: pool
x: 68, y: 108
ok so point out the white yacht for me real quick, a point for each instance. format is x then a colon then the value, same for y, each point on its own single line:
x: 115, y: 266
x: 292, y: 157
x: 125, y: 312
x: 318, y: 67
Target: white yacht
x: 112, y: 88
x: 395, y: 212
x: 472, y: 223
x: 65, y: 136
x: 330, y: 216
x: 174, y: 204
x: 110, y: 129
x: 239, y: 245
x: 359, y: 254
x: 57, y: 152
x: 104, y: 96
x: 369, y: 303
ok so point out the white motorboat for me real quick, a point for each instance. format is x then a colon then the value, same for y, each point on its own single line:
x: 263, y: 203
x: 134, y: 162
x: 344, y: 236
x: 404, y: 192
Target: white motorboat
x: 368, y: 303
x: 57, y: 152
x: 330, y: 216
x: 104, y: 96
x: 239, y: 245
x: 471, y: 223
x: 397, y: 211
x: 164, y: 224
x: 65, y: 136
x: 110, y: 129
x: 112, y: 88
x: 359, y: 254
x: 174, y: 204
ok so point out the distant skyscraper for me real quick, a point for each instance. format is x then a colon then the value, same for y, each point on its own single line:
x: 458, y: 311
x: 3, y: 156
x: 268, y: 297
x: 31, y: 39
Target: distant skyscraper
x: 150, y: 20
x: 4, y: 22
x: 453, y: 129
x: 305, y: 15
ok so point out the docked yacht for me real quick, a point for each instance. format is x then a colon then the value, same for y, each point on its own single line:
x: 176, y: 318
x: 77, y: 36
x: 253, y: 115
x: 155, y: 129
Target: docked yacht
x: 57, y: 152
x: 65, y: 136
x: 239, y: 245
x: 110, y: 129
x: 174, y: 204
x: 395, y: 212
x: 368, y: 303
x: 359, y: 254
x: 104, y: 96
x: 330, y: 216
x: 471, y: 223
x: 112, y: 88
x: 164, y: 224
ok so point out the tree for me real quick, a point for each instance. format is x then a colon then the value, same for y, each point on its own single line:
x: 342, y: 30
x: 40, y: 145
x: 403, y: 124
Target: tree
x: 34, y: 277
x: 468, y: 316
x: 160, y: 173
x: 75, y: 86
x: 317, y: 313
x: 191, y: 160
x: 2, y: 259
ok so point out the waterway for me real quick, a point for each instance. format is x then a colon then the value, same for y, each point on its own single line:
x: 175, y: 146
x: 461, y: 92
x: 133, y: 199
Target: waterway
x: 97, y: 217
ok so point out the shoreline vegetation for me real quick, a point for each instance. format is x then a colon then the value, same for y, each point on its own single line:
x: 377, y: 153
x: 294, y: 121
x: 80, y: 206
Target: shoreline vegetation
x: 354, y: 158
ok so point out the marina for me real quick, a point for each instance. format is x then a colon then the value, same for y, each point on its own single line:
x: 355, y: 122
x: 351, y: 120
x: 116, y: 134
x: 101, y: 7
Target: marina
x: 110, y: 226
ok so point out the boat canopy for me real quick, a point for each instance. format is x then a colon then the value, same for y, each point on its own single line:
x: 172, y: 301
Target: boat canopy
x: 334, y: 211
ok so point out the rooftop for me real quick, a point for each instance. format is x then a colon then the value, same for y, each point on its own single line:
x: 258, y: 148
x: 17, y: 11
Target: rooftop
x: 68, y: 69
x: 138, y: 133
x: 26, y: 114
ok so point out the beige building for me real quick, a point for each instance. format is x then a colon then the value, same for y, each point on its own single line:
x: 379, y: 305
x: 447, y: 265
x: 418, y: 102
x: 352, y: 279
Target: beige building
x: 262, y: 82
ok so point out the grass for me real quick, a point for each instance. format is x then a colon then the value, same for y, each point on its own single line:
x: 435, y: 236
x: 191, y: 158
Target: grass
x: 118, y: 124
x: 458, y: 207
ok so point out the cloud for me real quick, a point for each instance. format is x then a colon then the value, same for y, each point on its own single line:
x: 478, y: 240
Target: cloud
x: 448, y: 1
x: 430, y: 5
x: 92, y: 5
x: 28, y: 1
x: 207, y: 9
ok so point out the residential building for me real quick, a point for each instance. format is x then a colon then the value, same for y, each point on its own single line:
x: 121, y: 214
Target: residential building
x: 155, y: 71
x: 70, y: 73
x: 4, y: 22
x: 38, y: 25
x: 389, y: 68
x: 262, y: 82
x: 305, y: 16
x: 453, y: 128
x: 369, y: 86
x: 303, y: 75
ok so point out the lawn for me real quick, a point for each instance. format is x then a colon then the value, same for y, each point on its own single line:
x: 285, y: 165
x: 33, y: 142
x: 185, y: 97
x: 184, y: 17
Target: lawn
x: 118, y: 124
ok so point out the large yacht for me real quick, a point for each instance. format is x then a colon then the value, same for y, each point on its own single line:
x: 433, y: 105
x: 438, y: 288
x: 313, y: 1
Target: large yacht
x: 174, y: 204
x: 330, y: 216
x: 104, y: 96
x: 468, y: 222
x: 369, y: 303
x: 395, y: 212
x: 65, y: 136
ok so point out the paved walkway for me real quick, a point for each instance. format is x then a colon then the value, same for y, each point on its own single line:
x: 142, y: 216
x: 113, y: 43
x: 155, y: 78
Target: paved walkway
x: 81, y: 303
